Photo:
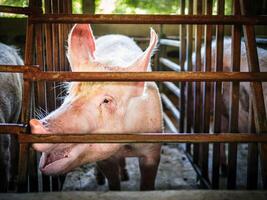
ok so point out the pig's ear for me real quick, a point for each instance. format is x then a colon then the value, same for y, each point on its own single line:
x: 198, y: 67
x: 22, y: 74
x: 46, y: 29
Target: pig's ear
x: 142, y: 63
x: 81, y: 46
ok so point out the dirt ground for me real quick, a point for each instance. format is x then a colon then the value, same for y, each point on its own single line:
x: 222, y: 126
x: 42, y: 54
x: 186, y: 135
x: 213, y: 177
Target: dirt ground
x: 175, y: 172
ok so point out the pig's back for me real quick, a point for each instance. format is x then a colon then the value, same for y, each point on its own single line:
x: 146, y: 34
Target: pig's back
x: 116, y: 50
x: 11, y: 86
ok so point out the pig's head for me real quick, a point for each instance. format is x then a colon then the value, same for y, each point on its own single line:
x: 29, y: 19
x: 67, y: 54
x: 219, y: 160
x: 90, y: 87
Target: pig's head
x: 107, y: 107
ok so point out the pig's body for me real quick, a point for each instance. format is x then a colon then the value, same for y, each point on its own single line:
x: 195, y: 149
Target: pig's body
x: 245, y: 90
x: 10, y: 105
x: 110, y: 107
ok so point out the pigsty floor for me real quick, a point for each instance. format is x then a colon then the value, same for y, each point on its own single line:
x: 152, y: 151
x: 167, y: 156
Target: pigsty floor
x: 175, y: 172
x: 156, y: 195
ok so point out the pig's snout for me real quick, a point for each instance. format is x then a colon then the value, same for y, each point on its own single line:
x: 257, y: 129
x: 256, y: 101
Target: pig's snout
x: 38, y: 128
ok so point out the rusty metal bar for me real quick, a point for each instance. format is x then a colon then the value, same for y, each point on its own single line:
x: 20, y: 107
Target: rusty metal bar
x: 32, y: 72
x: 234, y: 100
x: 197, y: 85
x: 188, y: 67
x: 11, y: 128
x: 216, y: 162
x: 146, y: 76
x: 141, y: 137
x: 256, y: 88
x: 206, y: 93
x: 19, y: 68
x: 16, y: 10
x: 182, y: 57
x: 147, y: 19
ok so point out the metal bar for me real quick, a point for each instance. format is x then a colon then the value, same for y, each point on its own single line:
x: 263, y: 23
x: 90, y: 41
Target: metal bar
x: 234, y: 100
x: 253, y: 154
x: 146, y: 76
x: 24, y: 148
x: 170, y: 64
x: 256, y: 88
x: 16, y: 10
x: 7, y: 128
x: 206, y: 93
x: 205, y: 183
x: 141, y: 137
x: 218, y: 97
x: 172, y: 87
x: 169, y: 123
x: 197, y: 85
x: 147, y: 19
x: 169, y: 42
x: 182, y: 57
x: 169, y: 105
x: 33, y: 73
x: 188, y: 67
x: 19, y: 68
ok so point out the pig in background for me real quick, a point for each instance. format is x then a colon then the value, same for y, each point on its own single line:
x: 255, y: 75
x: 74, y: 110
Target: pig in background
x: 10, y: 106
x: 244, y: 91
x: 104, y: 107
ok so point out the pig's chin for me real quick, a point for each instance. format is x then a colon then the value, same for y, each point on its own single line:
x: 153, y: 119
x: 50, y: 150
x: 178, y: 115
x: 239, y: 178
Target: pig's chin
x: 56, y: 162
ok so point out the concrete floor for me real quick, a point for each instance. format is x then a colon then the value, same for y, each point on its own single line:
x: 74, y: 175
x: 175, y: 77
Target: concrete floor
x: 155, y: 195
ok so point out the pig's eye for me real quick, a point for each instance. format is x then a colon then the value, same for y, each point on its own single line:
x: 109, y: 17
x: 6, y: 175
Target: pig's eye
x: 106, y: 101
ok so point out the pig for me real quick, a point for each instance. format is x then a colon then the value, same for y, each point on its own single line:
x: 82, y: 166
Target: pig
x: 245, y: 90
x: 10, y: 106
x: 104, y: 107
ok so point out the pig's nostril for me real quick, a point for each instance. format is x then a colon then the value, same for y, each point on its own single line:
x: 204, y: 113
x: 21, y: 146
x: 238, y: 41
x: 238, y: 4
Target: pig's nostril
x: 44, y: 123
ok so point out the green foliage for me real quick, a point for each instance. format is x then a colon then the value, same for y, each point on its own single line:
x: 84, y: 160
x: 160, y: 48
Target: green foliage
x: 146, y: 6
x: 14, y: 2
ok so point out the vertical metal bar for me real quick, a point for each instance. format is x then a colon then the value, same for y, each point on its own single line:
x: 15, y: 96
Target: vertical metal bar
x: 182, y: 62
x: 22, y: 185
x: 55, y: 46
x: 33, y: 174
x: 50, y: 102
x: 197, y: 85
x: 189, y: 105
x: 218, y: 97
x: 234, y: 100
x: 256, y: 87
x: 206, y: 92
x: 253, y: 154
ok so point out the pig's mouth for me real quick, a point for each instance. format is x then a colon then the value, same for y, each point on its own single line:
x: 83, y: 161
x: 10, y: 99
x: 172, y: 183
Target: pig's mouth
x: 54, y: 158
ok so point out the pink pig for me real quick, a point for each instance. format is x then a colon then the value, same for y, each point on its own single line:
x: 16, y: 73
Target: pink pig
x: 106, y: 107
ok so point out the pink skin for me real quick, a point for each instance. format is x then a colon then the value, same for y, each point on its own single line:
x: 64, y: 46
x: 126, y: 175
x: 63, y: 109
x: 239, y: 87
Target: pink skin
x: 114, y: 107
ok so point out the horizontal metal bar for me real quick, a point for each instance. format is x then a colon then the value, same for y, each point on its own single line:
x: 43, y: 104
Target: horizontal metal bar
x: 169, y: 123
x: 32, y: 72
x: 172, y: 87
x: 169, y: 42
x: 142, y: 138
x: 169, y: 105
x: 19, y: 68
x: 172, y: 65
x: 15, y: 10
x: 147, y: 19
x: 8, y: 128
x: 146, y: 76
